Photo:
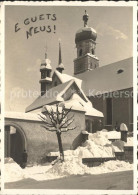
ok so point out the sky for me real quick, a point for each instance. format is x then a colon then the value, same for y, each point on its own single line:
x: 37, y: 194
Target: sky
x: 23, y: 55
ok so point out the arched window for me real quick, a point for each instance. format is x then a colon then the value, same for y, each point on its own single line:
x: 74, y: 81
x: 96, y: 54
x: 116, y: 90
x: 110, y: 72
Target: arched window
x: 48, y: 73
x: 80, y: 52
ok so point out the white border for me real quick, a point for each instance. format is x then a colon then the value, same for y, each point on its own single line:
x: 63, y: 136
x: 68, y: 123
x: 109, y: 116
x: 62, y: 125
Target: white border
x: 2, y: 91
x: 56, y: 3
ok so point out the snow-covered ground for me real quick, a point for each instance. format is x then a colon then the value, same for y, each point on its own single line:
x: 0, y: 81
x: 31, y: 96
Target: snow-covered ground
x: 97, y: 145
x: 72, y: 166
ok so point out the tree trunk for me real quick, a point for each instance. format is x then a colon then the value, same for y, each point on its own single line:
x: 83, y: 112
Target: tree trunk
x: 60, y: 146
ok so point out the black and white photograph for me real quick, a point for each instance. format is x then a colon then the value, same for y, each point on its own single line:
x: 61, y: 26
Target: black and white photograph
x: 69, y: 98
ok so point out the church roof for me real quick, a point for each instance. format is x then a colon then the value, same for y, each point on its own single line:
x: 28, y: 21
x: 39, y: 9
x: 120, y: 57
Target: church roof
x: 51, y: 96
x: 85, y: 33
x: 65, y: 77
x: 21, y: 115
x: 109, y: 78
x: 78, y: 104
x: 77, y: 99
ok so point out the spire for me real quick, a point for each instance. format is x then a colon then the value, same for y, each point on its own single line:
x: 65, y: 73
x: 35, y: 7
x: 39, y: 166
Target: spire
x: 45, y: 51
x: 60, y: 58
x: 85, y: 19
x: 60, y: 67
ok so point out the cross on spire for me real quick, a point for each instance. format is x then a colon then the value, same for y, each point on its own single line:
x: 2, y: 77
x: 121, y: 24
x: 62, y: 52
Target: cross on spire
x: 85, y: 18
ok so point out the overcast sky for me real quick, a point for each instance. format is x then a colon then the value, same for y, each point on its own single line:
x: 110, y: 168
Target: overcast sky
x: 23, y: 56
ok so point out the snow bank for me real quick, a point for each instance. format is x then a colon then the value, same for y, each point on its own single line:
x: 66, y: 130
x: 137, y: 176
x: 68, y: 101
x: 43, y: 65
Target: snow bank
x: 13, y: 172
x: 111, y: 134
x: 129, y: 141
x: 98, y: 145
x: 74, y: 166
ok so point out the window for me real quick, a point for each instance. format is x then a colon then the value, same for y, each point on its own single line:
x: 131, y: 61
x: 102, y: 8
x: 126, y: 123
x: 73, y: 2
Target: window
x: 93, y: 51
x: 109, y: 111
x: 42, y: 75
x: 89, y: 126
x: 120, y: 71
x: 48, y: 73
x: 80, y: 52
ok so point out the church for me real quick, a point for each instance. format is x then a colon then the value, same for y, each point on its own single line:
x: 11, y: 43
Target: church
x: 99, y: 98
x: 108, y: 89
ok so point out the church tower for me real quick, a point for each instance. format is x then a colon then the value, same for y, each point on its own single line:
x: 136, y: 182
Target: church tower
x: 85, y: 40
x: 46, y: 79
x: 60, y: 67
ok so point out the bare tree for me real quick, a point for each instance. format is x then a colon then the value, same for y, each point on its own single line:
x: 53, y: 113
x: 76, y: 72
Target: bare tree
x: 57, y: 121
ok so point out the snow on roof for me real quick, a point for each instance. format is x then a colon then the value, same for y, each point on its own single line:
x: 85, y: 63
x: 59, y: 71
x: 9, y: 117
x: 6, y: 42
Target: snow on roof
x: 77, y: 103
x: 123, y: 127
x: 65, y: 77
x: 51, y: 96
x: 109, y: 78
x: 22, y: 115
x: 51, y: 107
x: 86, y: 29
x: 54, y: 95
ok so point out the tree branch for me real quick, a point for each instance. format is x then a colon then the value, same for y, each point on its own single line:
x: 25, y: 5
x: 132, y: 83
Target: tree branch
x: 69, y: 129
x: 48, y: 128
x: 45, y: 121
x: 67, y: 121
x: 52, y: 114
x: 62, y: 114
x: 67, y: 112
x: 57, y: 112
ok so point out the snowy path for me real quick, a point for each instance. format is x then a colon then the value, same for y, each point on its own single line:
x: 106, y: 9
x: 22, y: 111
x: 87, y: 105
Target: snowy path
x: 108, y: 181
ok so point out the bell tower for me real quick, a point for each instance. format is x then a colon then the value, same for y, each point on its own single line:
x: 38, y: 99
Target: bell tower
x: 85, y: 40
x: 46, y: 79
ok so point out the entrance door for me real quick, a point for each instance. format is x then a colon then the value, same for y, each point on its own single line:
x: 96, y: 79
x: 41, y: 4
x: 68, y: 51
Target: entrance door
x: 14, y: 143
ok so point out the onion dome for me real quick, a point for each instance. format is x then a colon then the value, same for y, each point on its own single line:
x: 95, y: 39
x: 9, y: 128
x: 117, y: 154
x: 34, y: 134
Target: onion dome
x: 85, y: 32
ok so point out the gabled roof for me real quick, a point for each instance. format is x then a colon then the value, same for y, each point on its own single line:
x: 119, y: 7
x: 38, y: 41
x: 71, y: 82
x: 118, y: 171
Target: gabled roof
x: 49, y: 97
x: 76, y: 103
x: 54, y: 95
x: 65, y: 77
x: 109, y: 78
